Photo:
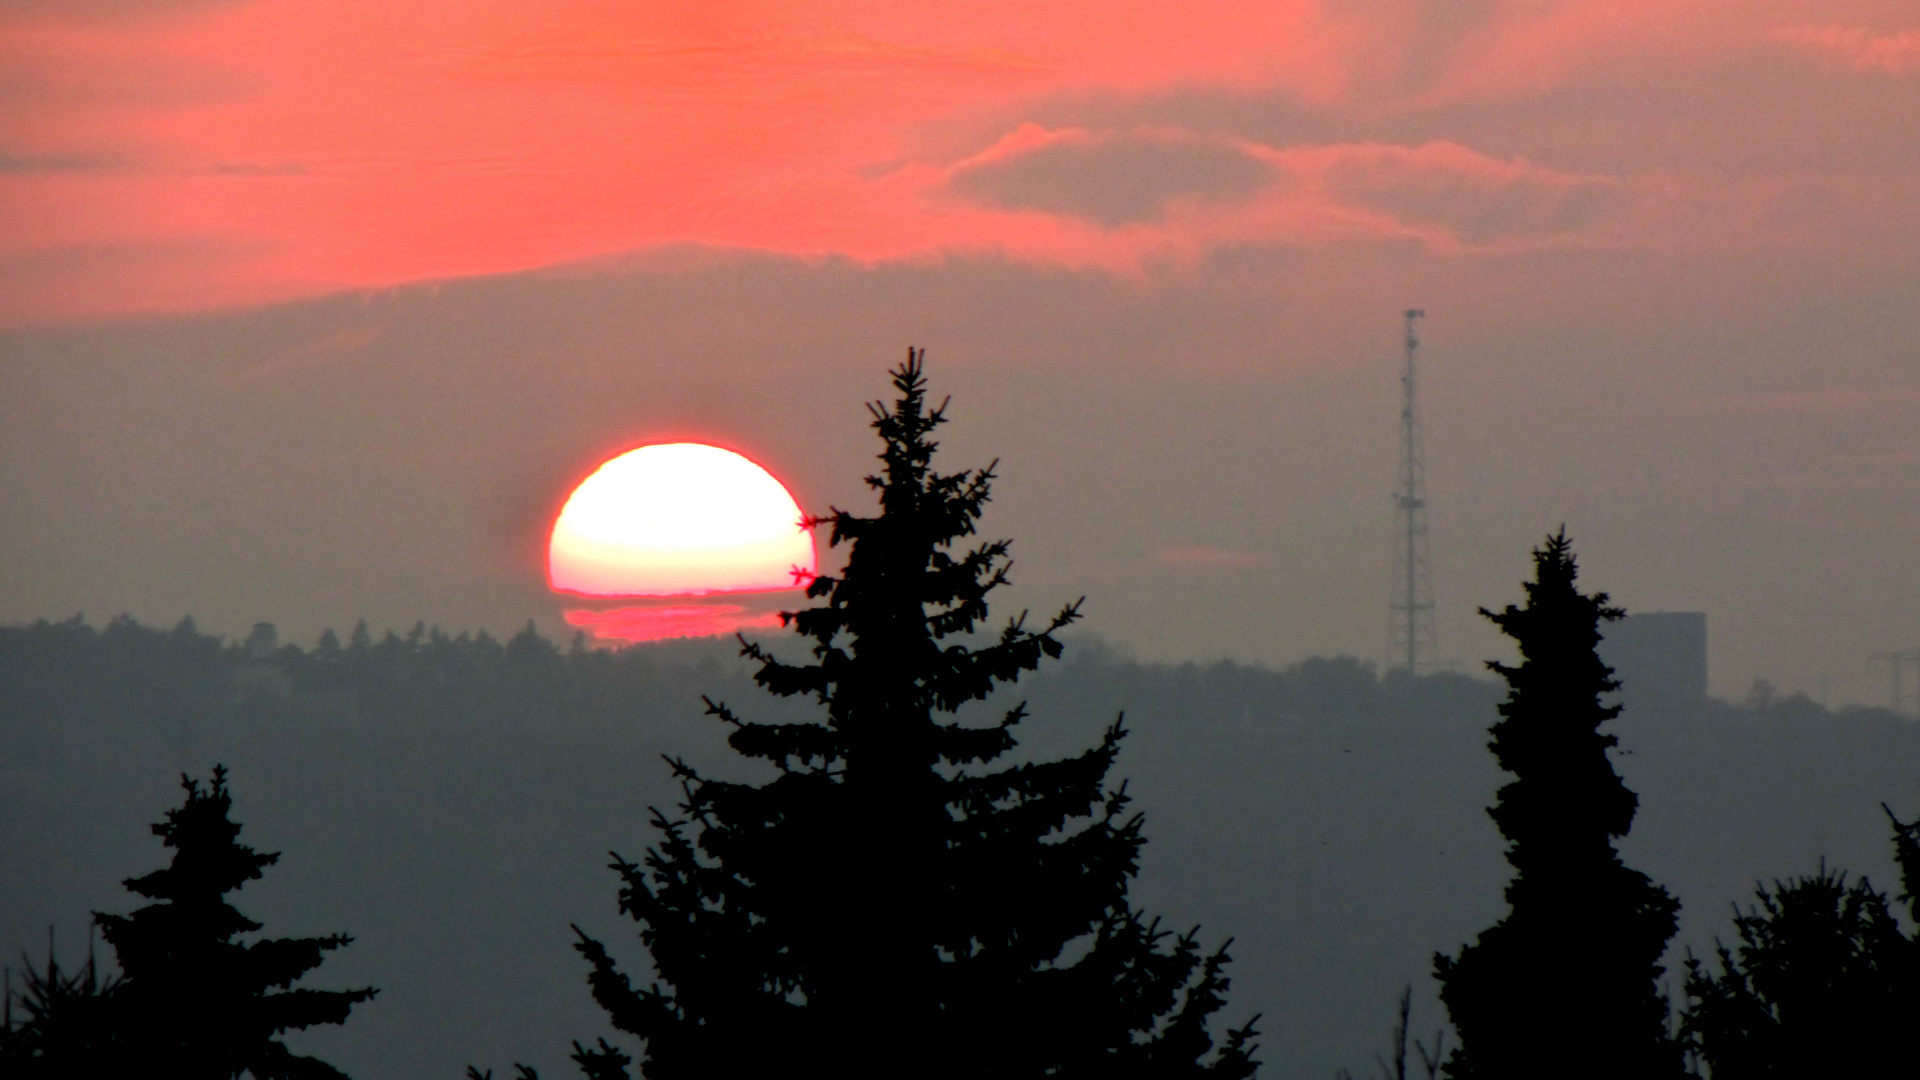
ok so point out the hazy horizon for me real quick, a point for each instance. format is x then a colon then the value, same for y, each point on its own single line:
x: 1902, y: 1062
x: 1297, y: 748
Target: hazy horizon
x: 314, y: 312
x: 452, y: 805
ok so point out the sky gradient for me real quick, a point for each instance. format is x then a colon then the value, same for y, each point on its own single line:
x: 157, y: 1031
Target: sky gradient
x: 311, y: 306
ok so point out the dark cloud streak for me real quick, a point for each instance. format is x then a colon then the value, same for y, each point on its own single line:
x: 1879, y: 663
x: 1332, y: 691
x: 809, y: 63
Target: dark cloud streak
x: 1116, y: 179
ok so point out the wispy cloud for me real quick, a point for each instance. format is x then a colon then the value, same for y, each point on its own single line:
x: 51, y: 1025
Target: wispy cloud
x: 1457, y: 195
x: 1121, y: 200
x: 1114, y: 178
x: 630, y: 60
x: 62, y: 163
x: 259, y: 168
x: 1896, y: 53
x: 325, y: 349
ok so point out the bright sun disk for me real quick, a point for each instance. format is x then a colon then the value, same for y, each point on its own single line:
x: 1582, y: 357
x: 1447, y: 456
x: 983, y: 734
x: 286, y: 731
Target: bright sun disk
x: 678, y: 519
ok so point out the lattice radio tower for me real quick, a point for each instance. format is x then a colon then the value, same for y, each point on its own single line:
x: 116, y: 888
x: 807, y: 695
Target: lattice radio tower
x: 1413, y: 643
x: 1900, y: 662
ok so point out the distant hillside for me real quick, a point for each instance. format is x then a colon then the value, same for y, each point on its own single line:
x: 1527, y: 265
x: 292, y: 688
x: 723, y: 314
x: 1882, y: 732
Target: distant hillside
x: 450, y: 801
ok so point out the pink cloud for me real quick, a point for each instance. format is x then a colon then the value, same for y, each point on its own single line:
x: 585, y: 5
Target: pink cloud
x: 1112, y: 178
x: 1178, y: 203
x: 1503, y: 51
x: 1857, y: 47
x: 1456, y: 197
x: 327, y: 348
x: 240, y: 153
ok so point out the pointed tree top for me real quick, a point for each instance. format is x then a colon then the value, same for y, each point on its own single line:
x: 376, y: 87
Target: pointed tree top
x: 1556, y: 572
x: 209, y: 861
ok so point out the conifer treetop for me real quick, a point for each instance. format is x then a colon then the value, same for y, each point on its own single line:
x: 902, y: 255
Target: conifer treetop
x: 1823, y: 982
x: 191, y: 997
x: 905, y: 589
x: 1550, y: 722
x: 209, y: 860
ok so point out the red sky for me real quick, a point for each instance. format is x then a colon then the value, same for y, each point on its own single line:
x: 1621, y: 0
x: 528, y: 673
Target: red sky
x: 311, y: 309
x: 316, y: 310
x: 182, y: 155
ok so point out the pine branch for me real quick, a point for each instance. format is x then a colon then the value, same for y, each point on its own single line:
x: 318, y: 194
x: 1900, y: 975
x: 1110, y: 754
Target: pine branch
x: 605, y: 1062
x: 297, y: 1010
x: 641, y: 1013
x: 1906, y: 854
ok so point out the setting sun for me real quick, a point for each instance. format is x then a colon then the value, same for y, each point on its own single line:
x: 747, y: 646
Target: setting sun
x: 678, y: 519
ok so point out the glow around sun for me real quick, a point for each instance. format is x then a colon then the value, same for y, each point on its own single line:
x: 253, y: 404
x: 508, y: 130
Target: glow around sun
x: 678, y: 519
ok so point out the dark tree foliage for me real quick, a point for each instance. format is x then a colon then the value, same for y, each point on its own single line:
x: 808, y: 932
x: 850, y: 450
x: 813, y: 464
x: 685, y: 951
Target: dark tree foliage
x: 1824, y: 982
x: 1906, y: 854
x: 1393, y: 1064
x: 603, y: 1062
x: 887, y: 905
x: 193, y: 1001
x: 1568, y: 980
x: 57, y: 1024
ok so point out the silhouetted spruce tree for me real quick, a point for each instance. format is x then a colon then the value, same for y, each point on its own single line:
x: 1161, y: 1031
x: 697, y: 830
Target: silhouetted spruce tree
x: 887, y: 906
x: 1824, y: 983
x: 57, y: 1025
x: 1567, y: 983
x: 193, y: 1002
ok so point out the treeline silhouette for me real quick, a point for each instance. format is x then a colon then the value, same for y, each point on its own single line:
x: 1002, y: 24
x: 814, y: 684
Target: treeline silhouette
x: 869, y: 884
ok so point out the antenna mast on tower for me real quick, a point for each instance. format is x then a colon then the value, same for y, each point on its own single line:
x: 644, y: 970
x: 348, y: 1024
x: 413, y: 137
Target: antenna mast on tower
x: 1413, y: 643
